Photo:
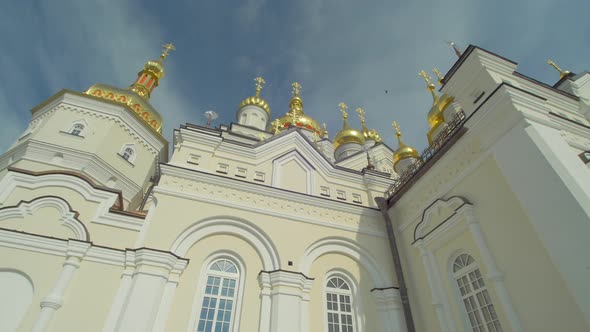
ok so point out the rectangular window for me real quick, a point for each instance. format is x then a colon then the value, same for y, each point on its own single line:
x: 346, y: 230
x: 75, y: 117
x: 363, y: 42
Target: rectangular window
x: 241, y: 172
x: 259, y: 176
x: 357, y: 198
x: 222, y: 168
x: 194, y: 159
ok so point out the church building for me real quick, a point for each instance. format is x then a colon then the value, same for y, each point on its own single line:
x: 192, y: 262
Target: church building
x: 272, y: 224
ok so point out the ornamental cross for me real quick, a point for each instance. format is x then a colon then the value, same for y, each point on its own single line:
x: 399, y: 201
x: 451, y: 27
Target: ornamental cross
x: 294, y: 116
x: 343, y: 109
x: 296, y: 88
x: 425, y: 76
x: 167, y: 48
x: 276, y: 124
x: 396, y: 127
x: 361, y: 113
x: 438, y: 74
x: 262, y: 136
x: 554, y: 65
x: 259, y: 82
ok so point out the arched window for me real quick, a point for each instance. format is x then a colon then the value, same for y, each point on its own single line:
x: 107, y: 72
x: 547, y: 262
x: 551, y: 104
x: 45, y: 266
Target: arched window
x: 128, y: 153
x: 77, y: 129
x: 219, y: 298
x: 339, y: 305
x: 474, y: 294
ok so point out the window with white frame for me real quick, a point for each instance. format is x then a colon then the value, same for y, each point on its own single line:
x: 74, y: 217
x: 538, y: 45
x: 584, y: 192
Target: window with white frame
x: 474, y: 294
x: 339, y: 305
x: 128, y: 153
x: 218, y: 307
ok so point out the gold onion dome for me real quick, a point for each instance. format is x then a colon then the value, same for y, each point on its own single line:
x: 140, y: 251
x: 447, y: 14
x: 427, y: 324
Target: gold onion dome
x: 369, y: 134
x: 347, y: 134
x: 256, y: 100
x: 403, y: 151
x: 439, y: 104
x: 296, y: 117
x: 136, y: 96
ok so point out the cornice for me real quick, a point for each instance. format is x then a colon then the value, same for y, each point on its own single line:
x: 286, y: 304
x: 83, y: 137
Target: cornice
x: 80, y: 102
x: 189, y: 184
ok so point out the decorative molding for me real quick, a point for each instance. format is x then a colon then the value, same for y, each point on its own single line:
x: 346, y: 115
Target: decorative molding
x: 268, y: 201
x: 68, y: 219
x: 346, y: 247
x: 277, y: 165
x: 219, y: 225
x: 439, y: 211
x: 105, y: 199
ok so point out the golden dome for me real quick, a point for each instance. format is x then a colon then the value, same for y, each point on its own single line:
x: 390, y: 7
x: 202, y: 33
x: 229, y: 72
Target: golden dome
x: 137, y: 95
x: 347, y: 134
x: 296, y: 117
x: 369, y: 134
x: 439, y: 104
x: 256, y: 100
x: 403, y: 151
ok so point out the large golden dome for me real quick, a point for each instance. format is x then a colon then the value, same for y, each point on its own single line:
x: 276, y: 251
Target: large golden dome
x: 137, y: 95
x: 256, y: 100
x: 296, y: 117
x: 347, y: 134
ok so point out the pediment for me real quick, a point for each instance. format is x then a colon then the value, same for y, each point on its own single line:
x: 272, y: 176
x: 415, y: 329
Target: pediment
x: 436, y: 214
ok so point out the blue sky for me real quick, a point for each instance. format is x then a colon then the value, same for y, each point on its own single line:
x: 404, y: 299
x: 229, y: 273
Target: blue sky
x: 339, y: 50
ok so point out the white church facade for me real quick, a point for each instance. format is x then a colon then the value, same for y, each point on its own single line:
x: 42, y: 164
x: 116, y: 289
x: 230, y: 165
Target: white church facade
x: 273, y: 225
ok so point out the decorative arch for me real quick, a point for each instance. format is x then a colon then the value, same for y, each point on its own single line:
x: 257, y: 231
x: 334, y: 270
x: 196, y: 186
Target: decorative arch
x: 347, y: 248
x: 437, y: 213
x: 17, y: 291
x: 233, y: 226
x: 69, y: 217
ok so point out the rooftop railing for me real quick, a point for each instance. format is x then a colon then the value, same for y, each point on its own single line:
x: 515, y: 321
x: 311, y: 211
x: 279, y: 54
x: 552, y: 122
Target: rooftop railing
x: 451, y: 129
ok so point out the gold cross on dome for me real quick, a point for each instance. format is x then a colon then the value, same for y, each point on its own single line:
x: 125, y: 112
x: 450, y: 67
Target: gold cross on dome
x: 259, y: 82
x: 361, y: 113
x: 396, y: 127
x: 294, y: 117
x: 343, y: 109
x: 167, y: 48
x: 438, y: 75
x: 262, y: 136
x: 296, y: 88
x: 276, y: 125
x: 425, y: 76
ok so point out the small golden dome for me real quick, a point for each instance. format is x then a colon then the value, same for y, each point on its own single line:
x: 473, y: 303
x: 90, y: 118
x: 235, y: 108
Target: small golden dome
x: 403, y: 151
x: 296, y: 117
x: 439, y: 104
x: 347, y: 134
x: 369, y: 134
x: 137, y: 95
x: 256, y: 100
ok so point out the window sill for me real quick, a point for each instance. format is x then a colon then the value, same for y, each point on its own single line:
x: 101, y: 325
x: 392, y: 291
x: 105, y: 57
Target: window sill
x: 70, y: 134
x: 130, y: 163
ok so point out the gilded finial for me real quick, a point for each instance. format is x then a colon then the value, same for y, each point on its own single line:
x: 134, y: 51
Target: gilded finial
x: 167, y: 48
x: 361, y: 113
x: 429, y: 85
x: 398, y: 132
x: 455, y: 48
x: 325, y: 127
x: 562, y: 73
x: 343, y: 109
x: 316, y: 137
x: 294, y: 116
x: 259, y: 82
x: 276, y: 125
x: 296, y: 88
x: 438, y: 75
x: 262, y: 136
